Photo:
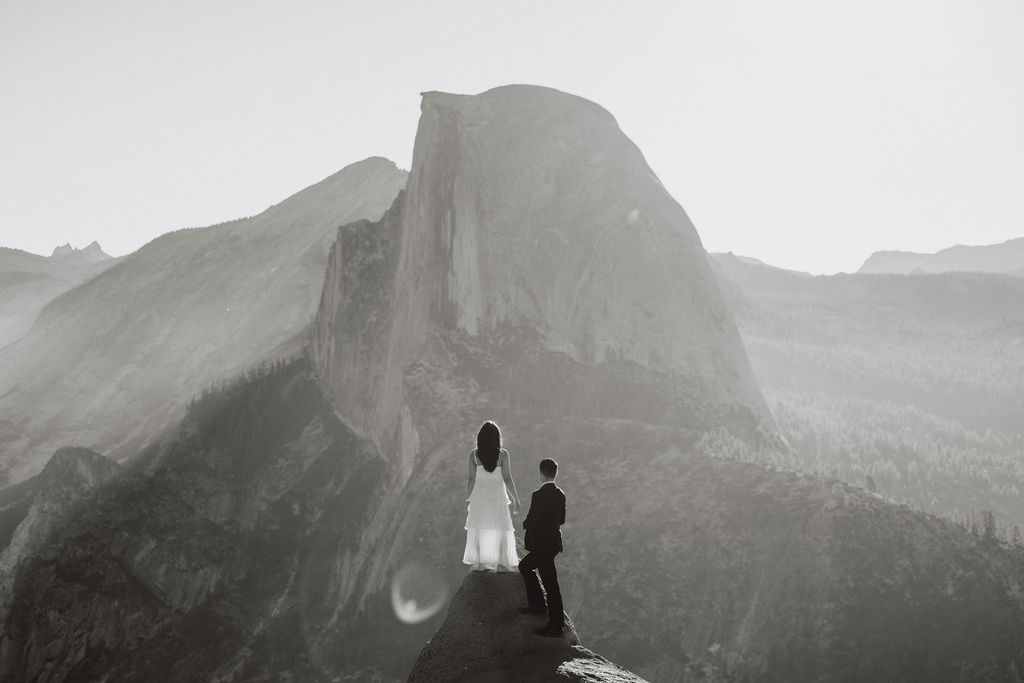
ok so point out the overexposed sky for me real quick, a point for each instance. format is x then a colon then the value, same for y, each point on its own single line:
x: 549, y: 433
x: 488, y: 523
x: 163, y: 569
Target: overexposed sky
x: 804, y: 133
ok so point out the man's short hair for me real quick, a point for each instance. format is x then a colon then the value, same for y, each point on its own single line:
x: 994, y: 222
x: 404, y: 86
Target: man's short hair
x: 549, y: 468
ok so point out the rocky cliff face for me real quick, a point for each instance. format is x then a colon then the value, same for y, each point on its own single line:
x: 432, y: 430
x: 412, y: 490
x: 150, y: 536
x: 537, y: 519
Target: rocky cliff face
x: 529, y: 222
x: 69, y: 476
x: 112, y: 363
x: 485, y: 638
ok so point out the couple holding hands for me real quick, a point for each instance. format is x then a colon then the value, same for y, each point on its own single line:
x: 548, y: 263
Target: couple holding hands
x: 490, y: 537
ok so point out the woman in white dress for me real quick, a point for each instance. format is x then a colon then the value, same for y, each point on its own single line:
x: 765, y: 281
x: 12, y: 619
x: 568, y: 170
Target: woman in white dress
x: 490, y: 539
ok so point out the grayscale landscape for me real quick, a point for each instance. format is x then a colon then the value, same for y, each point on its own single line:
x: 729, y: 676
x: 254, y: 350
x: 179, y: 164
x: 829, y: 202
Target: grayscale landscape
x: 238, y: 452
x: 743, y: 441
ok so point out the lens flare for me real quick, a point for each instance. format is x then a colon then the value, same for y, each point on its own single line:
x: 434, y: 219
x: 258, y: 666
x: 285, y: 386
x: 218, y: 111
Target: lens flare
x: 417, y: 593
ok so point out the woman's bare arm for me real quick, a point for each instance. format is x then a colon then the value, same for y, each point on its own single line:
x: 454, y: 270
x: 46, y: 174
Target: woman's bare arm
x: 471, y: 477
x: 510, y: 484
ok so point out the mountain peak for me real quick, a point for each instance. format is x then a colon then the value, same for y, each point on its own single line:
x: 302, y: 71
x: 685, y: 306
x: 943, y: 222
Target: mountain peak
x: 91, y: 254
x: 484, y: 637
x: 527, y: 212
x: 82, y: 465
x: 519, y: 97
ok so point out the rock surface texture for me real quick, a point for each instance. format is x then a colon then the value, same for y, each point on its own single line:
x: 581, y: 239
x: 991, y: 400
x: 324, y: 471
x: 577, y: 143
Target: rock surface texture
x: 485, y: 638
x: 68, y: 478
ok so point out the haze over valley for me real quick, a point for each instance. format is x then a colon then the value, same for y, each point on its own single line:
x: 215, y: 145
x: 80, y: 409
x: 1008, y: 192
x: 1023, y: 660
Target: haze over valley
x: 238, y: 453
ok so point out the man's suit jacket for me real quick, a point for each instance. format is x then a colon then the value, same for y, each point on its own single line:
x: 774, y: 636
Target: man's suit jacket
x: 547, y: 513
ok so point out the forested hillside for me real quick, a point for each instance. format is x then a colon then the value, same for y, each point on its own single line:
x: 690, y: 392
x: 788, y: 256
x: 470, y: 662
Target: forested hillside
x: 911, y: 385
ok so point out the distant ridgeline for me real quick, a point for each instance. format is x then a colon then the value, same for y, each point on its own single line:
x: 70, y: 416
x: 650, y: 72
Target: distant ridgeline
x: 1006, y: 258
x: 305, y: 521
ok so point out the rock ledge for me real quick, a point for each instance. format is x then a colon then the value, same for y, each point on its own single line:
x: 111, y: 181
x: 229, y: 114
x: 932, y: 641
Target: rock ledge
x: 485, y: 638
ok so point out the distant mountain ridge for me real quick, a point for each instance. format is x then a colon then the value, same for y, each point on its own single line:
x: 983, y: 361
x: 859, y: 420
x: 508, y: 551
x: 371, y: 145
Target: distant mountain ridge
x: 28, y: 282
x: 1006, y: 257
x: 111, y: 363
x: 92, y: 253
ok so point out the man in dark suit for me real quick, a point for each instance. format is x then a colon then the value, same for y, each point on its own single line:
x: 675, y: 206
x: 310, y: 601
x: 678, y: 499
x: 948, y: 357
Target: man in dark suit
x: 543, y: 541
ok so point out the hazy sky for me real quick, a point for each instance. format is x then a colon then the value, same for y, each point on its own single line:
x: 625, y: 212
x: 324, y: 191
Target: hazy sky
x: 806, y: 134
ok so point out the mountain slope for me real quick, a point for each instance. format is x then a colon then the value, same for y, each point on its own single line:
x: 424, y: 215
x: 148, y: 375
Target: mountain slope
x: 1006, y: 257
x: 221, y: 564
x: 112, y: 362
x: 28, y: 282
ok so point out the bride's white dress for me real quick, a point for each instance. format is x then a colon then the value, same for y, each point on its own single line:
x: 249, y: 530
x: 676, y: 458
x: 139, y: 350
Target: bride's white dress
x: 490, y: 539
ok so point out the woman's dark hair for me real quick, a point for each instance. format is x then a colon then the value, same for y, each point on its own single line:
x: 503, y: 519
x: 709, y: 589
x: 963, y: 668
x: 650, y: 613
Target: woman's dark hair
x: 488, y: 445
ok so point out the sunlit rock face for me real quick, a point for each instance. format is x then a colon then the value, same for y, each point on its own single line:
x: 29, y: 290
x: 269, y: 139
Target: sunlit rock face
x: 528, y: 217
x: 112, y: 363
x: 527, y: 206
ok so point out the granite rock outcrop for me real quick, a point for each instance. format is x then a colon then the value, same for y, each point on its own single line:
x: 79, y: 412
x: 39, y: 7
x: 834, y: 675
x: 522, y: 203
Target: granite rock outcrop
x: 529, y: 222
x: 485, y: 638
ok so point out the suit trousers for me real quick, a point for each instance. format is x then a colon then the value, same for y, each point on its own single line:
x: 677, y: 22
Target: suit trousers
x: 541, y: 563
